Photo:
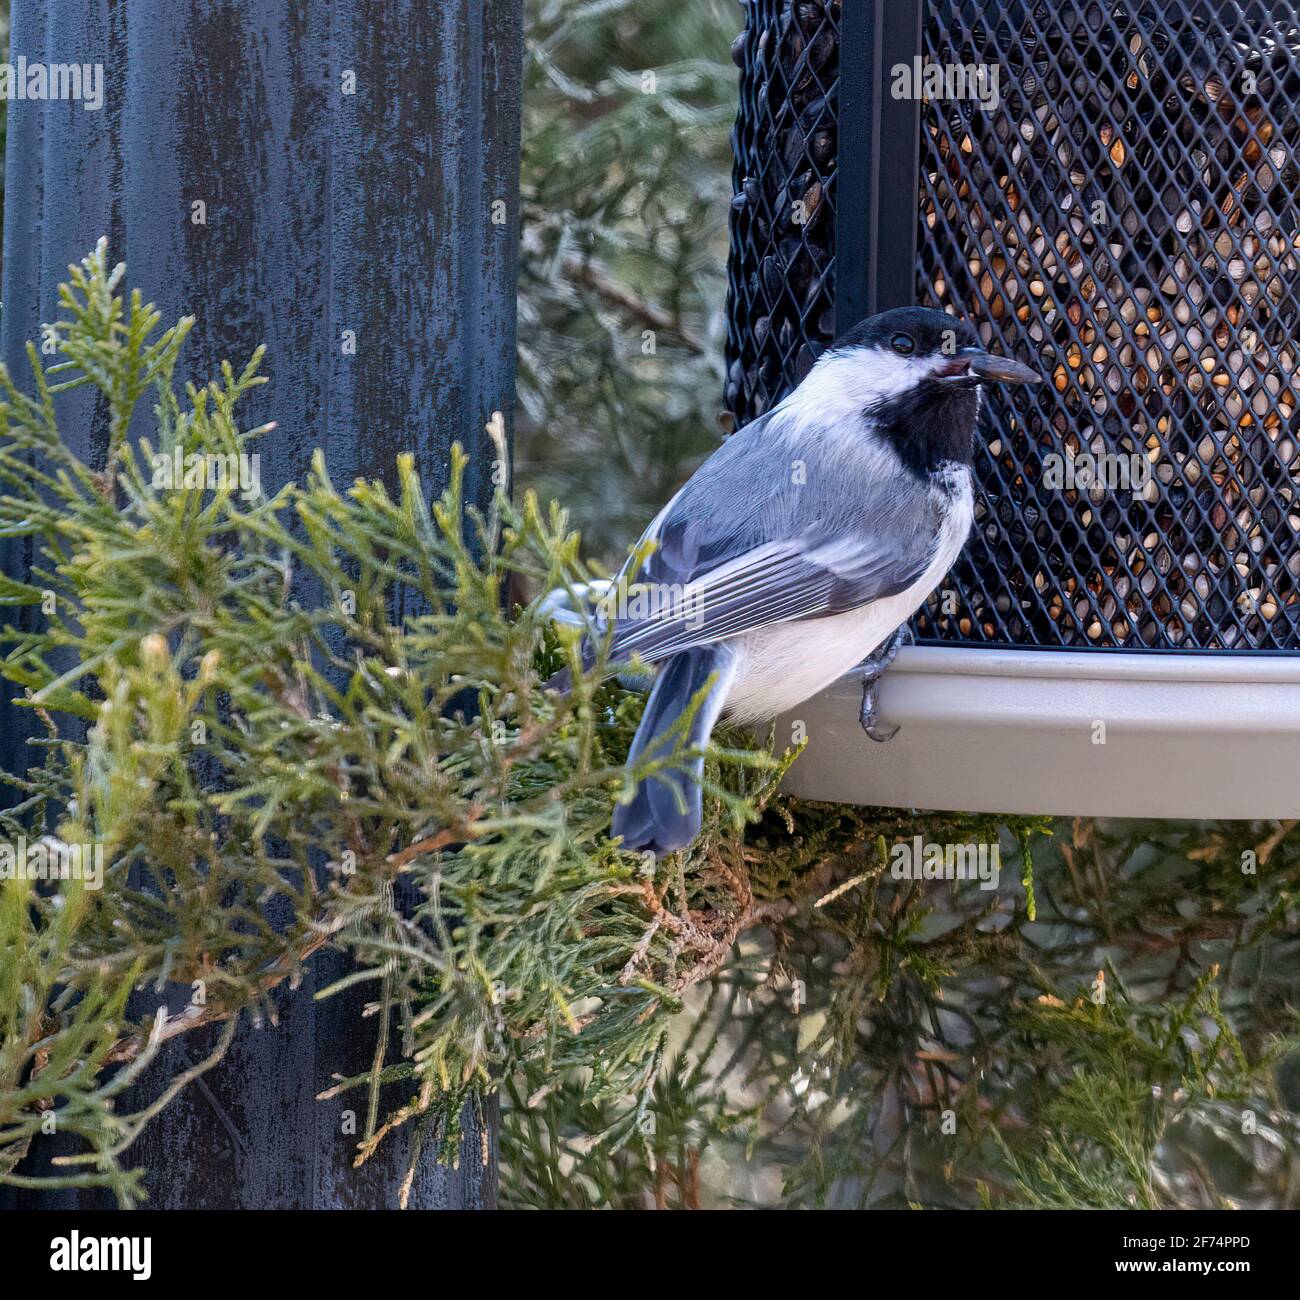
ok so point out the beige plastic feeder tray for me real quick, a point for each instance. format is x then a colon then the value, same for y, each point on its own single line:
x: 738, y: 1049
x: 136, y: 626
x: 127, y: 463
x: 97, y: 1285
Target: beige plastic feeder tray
x: 1059, y: 732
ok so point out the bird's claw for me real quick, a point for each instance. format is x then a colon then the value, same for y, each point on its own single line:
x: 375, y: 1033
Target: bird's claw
x: 868, y: 716
x: 873, y: 669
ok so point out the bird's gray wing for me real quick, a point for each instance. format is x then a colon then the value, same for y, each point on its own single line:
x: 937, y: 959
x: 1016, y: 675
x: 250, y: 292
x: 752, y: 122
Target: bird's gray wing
x: 746, y: 543
x: 808, y: 576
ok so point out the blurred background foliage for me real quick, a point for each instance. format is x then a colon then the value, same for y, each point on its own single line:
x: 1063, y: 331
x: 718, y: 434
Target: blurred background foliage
x: 895, y: 1043
x: 626, y: 185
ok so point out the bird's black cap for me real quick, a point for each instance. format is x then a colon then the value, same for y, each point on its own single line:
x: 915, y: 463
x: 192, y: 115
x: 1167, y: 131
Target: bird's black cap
x: 929, y: 330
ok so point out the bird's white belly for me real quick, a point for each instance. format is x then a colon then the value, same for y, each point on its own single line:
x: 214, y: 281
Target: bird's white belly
x: 783, y: 665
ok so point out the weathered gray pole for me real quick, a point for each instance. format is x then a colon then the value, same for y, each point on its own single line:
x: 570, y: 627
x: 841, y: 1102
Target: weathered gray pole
x: 338, y: 180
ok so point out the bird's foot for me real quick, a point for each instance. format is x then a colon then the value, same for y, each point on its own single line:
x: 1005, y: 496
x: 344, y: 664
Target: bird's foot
x: 868, y: 716
x: 873, y: 668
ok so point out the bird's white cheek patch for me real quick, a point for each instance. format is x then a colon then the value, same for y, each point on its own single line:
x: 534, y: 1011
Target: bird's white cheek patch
x: 843, y: 384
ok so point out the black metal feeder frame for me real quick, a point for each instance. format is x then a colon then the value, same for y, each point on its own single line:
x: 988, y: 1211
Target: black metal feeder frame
x: 1111, y: 192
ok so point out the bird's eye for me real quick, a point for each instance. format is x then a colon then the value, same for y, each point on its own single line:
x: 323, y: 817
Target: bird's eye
x: 903, y: 344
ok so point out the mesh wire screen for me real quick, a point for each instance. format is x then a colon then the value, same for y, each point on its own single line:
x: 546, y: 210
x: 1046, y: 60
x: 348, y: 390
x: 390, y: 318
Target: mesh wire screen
x: 783, y: 215
x: 1125, y: 216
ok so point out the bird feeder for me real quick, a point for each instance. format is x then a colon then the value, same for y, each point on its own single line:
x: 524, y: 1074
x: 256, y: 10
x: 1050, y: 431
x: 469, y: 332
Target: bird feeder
x: 1108, y: 191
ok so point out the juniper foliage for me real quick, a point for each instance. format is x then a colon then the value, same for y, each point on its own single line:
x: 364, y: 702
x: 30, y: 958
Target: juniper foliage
x: 893, y: 1043
x: 276, y: 714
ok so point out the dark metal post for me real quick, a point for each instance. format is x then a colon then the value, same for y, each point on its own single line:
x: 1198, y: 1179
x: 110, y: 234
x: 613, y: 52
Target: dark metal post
x: 876, y: 185
x: 339, y: 181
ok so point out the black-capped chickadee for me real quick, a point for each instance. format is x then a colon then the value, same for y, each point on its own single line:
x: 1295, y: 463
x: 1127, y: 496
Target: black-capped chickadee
x: 801, y: 546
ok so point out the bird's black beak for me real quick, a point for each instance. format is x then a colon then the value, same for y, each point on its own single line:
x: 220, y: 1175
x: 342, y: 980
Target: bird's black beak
x: 977, y: 366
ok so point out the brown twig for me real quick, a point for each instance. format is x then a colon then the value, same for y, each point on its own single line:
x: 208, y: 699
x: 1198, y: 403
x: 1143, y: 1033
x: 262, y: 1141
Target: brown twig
x: 585, y: 272
x: 130, y: 1046
x: 448, y: 835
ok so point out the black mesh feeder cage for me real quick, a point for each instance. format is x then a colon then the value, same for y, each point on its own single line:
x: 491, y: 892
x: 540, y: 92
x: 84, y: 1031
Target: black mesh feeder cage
x: 1110, y: 192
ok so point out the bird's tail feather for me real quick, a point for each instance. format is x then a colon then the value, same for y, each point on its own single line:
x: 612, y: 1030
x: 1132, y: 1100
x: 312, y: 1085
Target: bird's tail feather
x: 666, y: 811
